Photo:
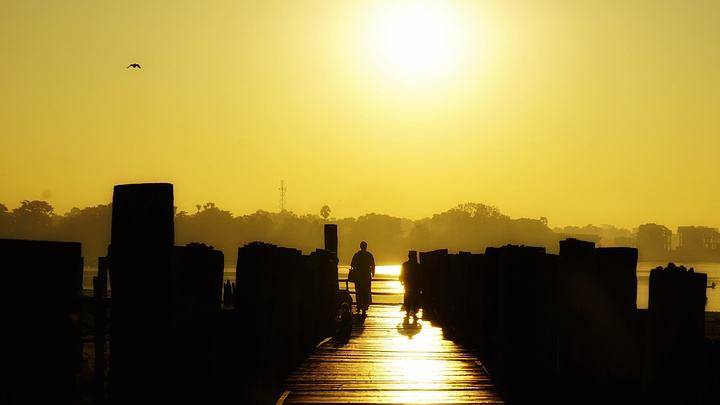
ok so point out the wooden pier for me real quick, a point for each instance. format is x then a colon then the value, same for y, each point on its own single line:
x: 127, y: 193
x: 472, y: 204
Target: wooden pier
x: 390, y: 359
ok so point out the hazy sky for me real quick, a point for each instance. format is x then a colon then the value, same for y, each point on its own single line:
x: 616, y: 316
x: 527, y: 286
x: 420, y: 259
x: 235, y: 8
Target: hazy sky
x: 581, y: 111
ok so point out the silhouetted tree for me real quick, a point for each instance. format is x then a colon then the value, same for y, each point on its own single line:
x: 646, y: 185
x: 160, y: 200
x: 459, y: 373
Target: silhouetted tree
x: 33, y: 219
x: 90, y: 225
x: 469, y: 227
x: 5, y: 221
x: 477, y: 210
x: 210, y: 225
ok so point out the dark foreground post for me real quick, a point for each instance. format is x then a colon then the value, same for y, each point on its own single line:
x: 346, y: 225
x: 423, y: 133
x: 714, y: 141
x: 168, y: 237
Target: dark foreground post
x: 618, y: 338
x: 287, y: 305
x: 433, y: 267
x: 675, y: 332
x: 577, y: 301
x: 40, y: 346
x: 100, y: 295
x: 599, y: 338
x: 324, y: 265
x: 526, y: 318
x: 194, y: 306
x: 331, y: 238
x: 142, y: 239
x: 165, y: 302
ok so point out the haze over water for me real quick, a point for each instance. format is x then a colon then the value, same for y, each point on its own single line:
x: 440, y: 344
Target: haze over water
x: 386, y: 282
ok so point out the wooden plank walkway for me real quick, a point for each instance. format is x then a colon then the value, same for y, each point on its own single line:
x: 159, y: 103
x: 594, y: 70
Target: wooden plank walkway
x: 390, y: 360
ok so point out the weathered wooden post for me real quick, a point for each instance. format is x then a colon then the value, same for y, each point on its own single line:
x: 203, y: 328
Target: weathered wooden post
x: 433, y: 265
x: 255, y: 317
x: 327, y: 267
x: 526, y: 317
x: 576, y: 298
x: 674, y: 336
x: 100, y: 295
x: 291, y: 304
x: 142, y: 238
x: 194, y: 307
x: 331, y: 238
x: 453, y: 291
x: 40, y: 343
x: 490, y: 276
x: 465, y: 303
x: 480, y: 302
x: 597, y: 291
x: 617, y: 345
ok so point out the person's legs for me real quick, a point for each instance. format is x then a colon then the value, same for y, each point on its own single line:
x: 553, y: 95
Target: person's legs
x: 368, y: 296
x: 362, y: 288
x: 406, y: 303
x: 414, y: 301
x: 360, y: 296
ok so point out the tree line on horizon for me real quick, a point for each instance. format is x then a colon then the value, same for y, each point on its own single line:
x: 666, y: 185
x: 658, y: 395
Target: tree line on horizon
x: 466, y: 227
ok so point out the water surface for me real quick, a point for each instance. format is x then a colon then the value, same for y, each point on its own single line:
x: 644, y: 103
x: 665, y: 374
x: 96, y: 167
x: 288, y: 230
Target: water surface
x: 386, y: 282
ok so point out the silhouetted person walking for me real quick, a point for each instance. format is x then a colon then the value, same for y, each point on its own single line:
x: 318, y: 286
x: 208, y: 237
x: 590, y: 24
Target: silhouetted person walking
x: 410, y: 278
x: 363, y: 268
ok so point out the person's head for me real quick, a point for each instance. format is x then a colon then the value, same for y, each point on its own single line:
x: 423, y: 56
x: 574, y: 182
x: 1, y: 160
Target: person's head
x: 412, y: 255
x: 345, y: 307
x: 363, y: 246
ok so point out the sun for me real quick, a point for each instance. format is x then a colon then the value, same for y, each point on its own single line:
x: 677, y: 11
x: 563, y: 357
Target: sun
x: 416, y: 41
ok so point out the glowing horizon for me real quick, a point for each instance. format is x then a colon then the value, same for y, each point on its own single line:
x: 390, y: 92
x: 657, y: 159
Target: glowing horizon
x: 581, y: 113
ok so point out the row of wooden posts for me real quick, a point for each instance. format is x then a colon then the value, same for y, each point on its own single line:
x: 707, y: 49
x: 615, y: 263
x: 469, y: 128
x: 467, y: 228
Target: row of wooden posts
x: 170, y: 339
x: 284, y: 305
x: 567, y: 325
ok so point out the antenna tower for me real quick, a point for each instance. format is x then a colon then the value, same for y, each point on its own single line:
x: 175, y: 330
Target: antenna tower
x: 283, y: 190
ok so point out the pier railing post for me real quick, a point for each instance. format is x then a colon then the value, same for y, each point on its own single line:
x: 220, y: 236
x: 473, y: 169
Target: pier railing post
x: 674, y: 335
x: 142, y: 238
x: 40, y: 341
x: 288, y: 305
x: 100, y: 295
x: 331, y: 238
x: 575, y: 302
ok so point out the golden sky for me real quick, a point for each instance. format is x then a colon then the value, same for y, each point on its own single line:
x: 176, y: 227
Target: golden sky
x: 581, y: 111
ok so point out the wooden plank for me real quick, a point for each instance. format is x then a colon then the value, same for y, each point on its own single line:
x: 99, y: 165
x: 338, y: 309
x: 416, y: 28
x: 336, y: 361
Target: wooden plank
x: 391, y: 360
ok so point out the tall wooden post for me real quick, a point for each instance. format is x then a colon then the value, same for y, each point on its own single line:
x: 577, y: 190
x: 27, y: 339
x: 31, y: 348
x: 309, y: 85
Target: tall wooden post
x: 100, y: 295
x: 331, y: 238
x: 142, y: 238
x: 674, y: 336
x: 576, y: 300
x: 40, y: 343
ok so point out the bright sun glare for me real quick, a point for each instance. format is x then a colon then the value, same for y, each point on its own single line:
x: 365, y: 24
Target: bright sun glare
x: 414, y: 41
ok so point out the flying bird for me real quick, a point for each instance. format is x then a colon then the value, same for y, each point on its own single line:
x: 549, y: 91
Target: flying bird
x: 134, y: 66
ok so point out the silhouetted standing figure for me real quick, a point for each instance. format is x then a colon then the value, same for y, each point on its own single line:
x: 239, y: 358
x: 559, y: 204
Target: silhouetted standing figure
x: 363, y: 268
x: 228, y: 295
x: 410, y: 278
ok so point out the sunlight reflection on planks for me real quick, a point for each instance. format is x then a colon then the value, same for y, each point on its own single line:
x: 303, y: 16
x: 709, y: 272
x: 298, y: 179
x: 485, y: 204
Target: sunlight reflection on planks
x: 391, y: 360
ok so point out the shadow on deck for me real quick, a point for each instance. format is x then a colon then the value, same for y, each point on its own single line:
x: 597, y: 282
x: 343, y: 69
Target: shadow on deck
x: 390, y: 359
